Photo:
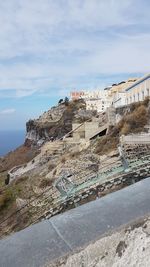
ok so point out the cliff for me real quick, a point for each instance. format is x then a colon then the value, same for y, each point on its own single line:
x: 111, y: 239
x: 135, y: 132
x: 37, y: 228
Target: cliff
x: 56, y: 122
x: 51, y: 125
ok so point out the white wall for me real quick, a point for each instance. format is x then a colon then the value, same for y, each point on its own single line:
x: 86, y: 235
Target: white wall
x: 97, y: 100
x: 119, y: 99
x: 135, y: 94
x: 139, y: 92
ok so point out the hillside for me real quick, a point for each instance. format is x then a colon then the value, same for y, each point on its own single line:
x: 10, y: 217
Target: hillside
x: 42, y: 163
x: 52, y: 124
x: 21, y: 155
x: 56, y: 122
x: 132, y: 120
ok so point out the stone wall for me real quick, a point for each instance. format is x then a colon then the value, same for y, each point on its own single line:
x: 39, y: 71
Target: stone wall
x: 90, y: 129
x: 78, y: 131
x: 87, y: 130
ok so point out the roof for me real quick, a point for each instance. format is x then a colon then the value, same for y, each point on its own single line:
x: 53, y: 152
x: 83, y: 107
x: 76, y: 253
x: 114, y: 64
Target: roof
x: 122, y: 86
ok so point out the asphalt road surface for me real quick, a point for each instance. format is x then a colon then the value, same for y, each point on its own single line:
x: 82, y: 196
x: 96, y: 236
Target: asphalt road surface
x: 64, y: 233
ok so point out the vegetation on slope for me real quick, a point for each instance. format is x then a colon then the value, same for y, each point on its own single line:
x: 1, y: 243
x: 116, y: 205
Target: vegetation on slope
x: 21, y: 155
x: 133, y: 122
x: 31, y: 186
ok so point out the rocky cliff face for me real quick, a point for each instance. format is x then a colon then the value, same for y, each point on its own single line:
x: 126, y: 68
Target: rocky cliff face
x: 55, y: 123
x: 46, y: 126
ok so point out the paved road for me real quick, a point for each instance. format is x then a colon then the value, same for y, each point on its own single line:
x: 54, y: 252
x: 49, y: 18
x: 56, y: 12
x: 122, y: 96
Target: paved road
x: 64, y: 233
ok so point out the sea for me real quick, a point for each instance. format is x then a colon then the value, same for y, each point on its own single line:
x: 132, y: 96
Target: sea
x: 10, y: 139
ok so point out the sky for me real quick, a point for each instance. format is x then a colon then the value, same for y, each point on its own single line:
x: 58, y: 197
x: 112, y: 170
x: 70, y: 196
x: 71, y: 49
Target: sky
x: 49, y: 48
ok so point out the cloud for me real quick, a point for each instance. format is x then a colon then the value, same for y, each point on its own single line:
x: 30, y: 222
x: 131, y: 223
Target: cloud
x: 61, y: 44
x: 7, y: 111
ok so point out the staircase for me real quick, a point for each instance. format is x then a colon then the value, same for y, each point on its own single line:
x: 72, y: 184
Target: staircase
x: 53, y: 148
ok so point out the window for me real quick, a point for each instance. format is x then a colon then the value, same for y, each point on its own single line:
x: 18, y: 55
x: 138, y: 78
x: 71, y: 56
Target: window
x: 134, y: 98
x: 138, y: 96
x: 142, y: 95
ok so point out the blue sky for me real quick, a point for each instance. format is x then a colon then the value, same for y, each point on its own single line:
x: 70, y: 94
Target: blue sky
x: 48, y: 48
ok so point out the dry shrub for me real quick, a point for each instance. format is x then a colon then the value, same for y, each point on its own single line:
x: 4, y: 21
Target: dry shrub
x: 6, y: 198
x: 134, y: 106
x: 21, y: 179
x: 107, y: 144
x: 63, y: 160
x: 146, y: 101
x: 133, y: 122
x: 125, y: 129
x: 25, y: 165
x: 51, y: 166
x: 74, y: 154
x: 45, y: 182
x: 77, y: 104
x: 54, y: 172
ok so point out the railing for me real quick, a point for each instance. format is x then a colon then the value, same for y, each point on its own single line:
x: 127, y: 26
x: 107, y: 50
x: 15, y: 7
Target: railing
x: 135, y: 139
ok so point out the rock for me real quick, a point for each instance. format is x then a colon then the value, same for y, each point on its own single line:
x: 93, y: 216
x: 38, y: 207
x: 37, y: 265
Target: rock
x: 54, y: 123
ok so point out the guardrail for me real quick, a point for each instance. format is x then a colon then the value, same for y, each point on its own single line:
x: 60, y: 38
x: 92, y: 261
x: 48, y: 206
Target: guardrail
x: 135, y: 139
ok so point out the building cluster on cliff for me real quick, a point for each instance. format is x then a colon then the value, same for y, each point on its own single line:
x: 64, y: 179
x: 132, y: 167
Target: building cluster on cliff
x: 117, y: 95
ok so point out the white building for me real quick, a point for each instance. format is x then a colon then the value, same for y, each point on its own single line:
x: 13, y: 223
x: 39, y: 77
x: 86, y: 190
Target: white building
x: 94, y: 104
x: 139, y: 90
x: 97, y: 100
x: 135, y: 92
x: 119, y: 99
x: 121, y: 94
